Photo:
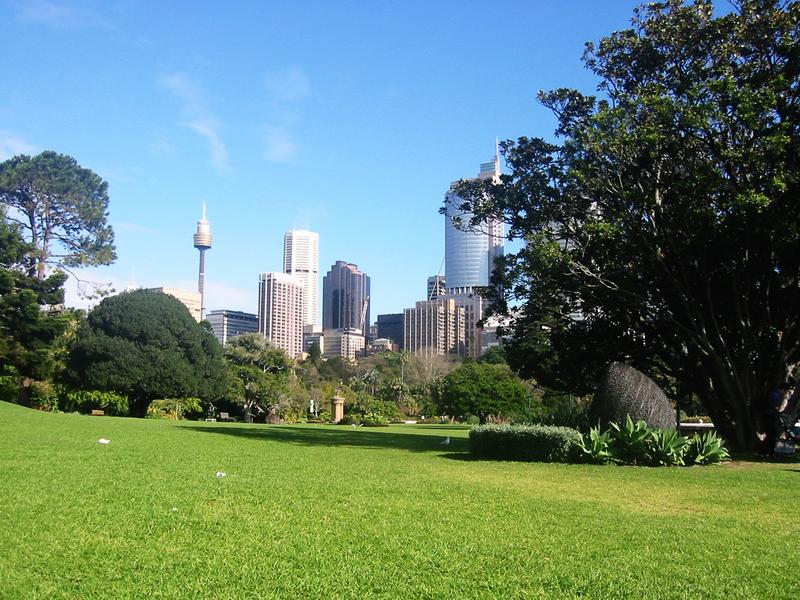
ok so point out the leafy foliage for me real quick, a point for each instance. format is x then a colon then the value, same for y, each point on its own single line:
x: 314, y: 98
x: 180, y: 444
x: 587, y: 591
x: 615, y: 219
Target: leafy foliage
x: 631, y: 441
x: 85, y: 401
x: 61, y: 207
x: 483, y: 389
x: 29, y: 327
x: 660, y: 228
x: 706, y: 449
x: 259, y: 372
x: 525, y: 442
x: 147, y: 346
x: 596, y: 446
x: 667, y: 448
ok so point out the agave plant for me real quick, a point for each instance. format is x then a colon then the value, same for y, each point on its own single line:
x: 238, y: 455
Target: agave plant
x: 668, y: 447
x: 707, y: 449
x: 631, y: 441
x: 596, y: 447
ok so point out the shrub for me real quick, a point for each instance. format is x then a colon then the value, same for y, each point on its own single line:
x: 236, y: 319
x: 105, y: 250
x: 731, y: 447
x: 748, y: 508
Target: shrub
x: 175, y: 408
x: 706, y: 449
x: 632, y: 441
x: 472, y: 420
x: 43, y: 396
x: 525, y: 442
x: 9, y: 384
x: 667, y: 448
x: 85, y: 401
x: 596, y: 447
x: 375, y: 420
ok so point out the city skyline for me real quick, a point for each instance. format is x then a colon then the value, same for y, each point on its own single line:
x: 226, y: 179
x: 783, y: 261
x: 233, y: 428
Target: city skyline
x: 283, y: 117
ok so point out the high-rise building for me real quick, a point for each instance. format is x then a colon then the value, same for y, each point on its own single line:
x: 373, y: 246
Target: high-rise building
x: 227, y: 324
x: 280, y: 311
x: 301, y: 259
x: 434, y: 327
x: 470, y: 255
x: 343, y: 342
x: 390, y: 326
x: 191, y: 300
x: 474, y: 306
x: 202, y: 241
x: 437, y: 285
x: 345, y: 298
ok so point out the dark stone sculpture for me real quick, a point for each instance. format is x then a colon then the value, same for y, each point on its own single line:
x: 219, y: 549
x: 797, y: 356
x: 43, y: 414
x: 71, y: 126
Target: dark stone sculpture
x: 628, y: 391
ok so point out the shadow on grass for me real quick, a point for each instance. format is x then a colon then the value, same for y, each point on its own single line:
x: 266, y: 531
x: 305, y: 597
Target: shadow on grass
x: 345, y: 437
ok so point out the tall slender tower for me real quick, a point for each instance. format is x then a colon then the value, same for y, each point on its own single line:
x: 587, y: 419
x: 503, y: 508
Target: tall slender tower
x: 202, y: 241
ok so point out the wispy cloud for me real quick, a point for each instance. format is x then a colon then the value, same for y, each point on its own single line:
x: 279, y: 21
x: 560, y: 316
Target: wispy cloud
x: 286, y: 88
x: 280, y: 147
x: 135, y: 228
x: 197, y: 116
x: 288, y: 85
x: 12, y: 144
x: 72, y: 15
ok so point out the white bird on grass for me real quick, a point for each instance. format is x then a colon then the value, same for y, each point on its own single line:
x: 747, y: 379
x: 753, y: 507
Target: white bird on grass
x: 446, y: 442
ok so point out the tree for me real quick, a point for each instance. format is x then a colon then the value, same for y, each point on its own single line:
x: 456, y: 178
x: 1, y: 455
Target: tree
x: 62, y: 210
x: 661, y: 228
x: 260, y: 372
x: 146, y: 345
x: 30, y: 328
x: 483, y: 389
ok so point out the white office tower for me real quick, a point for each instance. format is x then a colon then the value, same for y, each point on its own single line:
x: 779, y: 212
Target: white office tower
x: 281, y: 311
x: 470, y: 255
x: 301, y: 259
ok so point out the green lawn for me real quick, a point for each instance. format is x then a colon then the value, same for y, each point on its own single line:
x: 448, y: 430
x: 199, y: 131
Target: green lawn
x: 336, y: 512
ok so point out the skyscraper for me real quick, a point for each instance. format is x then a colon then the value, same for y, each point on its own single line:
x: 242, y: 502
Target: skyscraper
x: 227, y: 324
x: 345, y: 298
x: 301, y: 259
x: 280, y: 311
x: 202, y: 241
x: 470, y: 255
x: 434, y: 327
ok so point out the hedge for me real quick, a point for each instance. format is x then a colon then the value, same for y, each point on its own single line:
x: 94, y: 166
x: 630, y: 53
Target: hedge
x: 525, y: 442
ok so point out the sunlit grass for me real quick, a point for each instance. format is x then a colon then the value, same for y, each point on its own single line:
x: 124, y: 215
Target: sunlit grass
x: 335, y: 512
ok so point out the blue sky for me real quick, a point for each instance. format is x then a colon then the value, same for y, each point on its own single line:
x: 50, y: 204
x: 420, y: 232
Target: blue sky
x: 347, y: 118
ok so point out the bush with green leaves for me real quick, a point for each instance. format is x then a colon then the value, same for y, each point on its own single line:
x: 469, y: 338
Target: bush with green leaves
x: 631, y: 441
x: 596, y: 446
x: 85, y: 401
x: 375, y: 420
x: 525, y: 442
x: 667, y: 448
x: 43, y: 395
x: 638, y: 444
x: 706, y: 449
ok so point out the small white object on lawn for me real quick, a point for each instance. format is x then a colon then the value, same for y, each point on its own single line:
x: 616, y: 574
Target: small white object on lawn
x: 446, y: 442
x: 220, y: 473
x: 174, y: 509
x: 103, y: 441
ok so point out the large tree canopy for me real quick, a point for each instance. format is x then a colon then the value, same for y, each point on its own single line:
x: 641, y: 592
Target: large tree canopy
x: 61, y: 208
x: 662, y: 227
x: 146, y: 344
x: 28, y: 330
x: 259, y: 372
x: 483, y: 389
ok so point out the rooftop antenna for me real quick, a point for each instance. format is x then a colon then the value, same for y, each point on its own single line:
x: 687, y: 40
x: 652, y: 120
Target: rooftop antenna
x: 202, y: 241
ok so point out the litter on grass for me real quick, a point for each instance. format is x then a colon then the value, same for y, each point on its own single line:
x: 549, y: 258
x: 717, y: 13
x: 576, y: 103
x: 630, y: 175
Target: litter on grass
x: 103, y: 441
x: 220, y: 473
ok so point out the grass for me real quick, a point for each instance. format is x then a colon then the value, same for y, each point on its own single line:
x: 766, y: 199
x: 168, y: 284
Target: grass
x: 336, y: 512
